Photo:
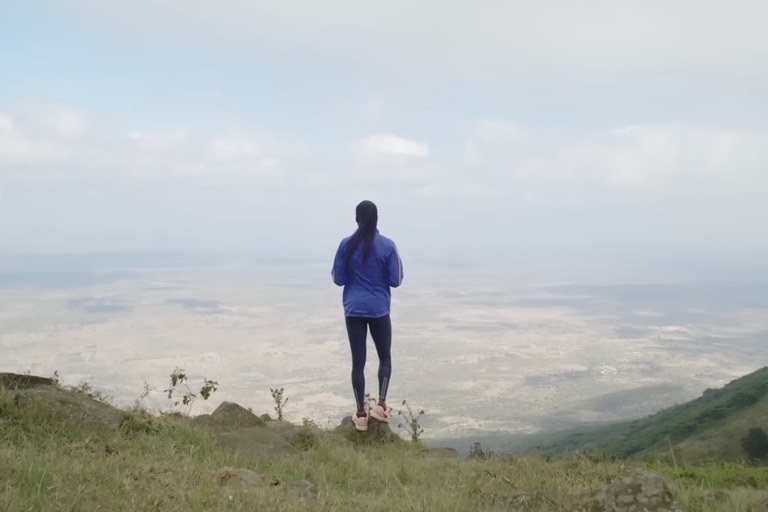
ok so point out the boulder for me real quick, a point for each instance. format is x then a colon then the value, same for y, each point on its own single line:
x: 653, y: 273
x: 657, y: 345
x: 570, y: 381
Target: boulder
x: 233, y: 416
x: 640, y: 491
x: 58, y: 404
x: 299, y: 436
x: 19, y: 381
x: 239, y: 477
x: 378, y: 432
x: 254, y: 443
x: 207, y: 423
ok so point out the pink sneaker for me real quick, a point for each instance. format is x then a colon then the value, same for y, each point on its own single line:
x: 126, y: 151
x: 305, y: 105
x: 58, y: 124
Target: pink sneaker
x: 361, y: 422
x: 380, y: 413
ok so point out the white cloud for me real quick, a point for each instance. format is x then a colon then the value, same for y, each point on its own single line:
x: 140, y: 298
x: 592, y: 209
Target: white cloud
x: 651, y: 159
x: 60, y: 140
x: 391, y: 146
x: 479, y: 37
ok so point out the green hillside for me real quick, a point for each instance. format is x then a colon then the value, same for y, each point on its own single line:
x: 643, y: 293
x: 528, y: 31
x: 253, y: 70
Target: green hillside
x: 62, y: 450
x: 707, y: 428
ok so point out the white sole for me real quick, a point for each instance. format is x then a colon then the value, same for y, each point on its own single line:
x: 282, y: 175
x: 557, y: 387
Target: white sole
x: 381, y: 419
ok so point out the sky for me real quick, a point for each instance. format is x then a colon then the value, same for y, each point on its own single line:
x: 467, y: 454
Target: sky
x: 616, y: 131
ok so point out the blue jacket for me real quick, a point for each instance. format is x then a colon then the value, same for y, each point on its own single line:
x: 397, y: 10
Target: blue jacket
x: 367, y: 285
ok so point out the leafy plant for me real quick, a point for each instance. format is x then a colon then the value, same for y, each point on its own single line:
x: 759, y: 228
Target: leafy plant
x: 188, y: 397
x: 86, y: 388
x: 478, y: 452
x: 277, y: 396
x: 411, y: 422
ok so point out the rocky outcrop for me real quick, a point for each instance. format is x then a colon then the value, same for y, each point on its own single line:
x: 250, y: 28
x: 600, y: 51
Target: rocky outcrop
x: 640, y: 491
x: 60, y: 404
x: 233, y: 416
x: 298, y: 436
x: 378, y: 432
x: 19, y: 381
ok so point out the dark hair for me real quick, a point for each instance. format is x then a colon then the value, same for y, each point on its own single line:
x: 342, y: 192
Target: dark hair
x: 367, y: 217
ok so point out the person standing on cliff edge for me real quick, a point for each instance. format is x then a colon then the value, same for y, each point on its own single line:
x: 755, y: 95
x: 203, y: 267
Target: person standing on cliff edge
x: 367, y: 265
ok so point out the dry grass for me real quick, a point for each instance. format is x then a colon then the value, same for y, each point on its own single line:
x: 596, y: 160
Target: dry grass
x: 60, y: 466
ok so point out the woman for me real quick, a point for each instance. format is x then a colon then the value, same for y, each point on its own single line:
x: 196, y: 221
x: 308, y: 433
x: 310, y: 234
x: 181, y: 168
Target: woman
x: 367, y: 265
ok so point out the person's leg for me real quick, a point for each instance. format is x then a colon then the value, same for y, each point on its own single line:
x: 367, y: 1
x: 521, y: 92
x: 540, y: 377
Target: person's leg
x: 357, y: 329
x: 381, y: 332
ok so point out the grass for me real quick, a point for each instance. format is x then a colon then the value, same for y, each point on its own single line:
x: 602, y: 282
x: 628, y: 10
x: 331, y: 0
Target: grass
x: 154, y: 465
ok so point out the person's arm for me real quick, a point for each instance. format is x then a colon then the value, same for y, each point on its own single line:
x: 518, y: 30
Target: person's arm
x: 395, y: 268
x: 339, y: 271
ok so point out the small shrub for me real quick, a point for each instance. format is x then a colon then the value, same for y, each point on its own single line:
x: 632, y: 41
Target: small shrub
x: 179, y: 378
x: 478, y: 452
x: 411, y: 422
x: 277, y: 396
x: 310, y: 423
x: 86, y: 389
x: 137, y: 422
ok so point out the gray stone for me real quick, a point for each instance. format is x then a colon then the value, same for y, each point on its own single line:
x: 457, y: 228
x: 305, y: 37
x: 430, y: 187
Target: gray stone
x: 299, y: 436
x: 641, y: 491
x: 233, y: 416
x: 56, y: 403
x: 239, y: 477
x: 254, y: 443
x: 207, y: 423
x: 378, y: 432
x: 300, y: 489
x: 19, y: 381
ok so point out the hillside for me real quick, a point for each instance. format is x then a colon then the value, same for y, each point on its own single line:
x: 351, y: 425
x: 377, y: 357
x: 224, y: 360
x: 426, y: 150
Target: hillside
x: 705, y: 429
x: 62, y: 450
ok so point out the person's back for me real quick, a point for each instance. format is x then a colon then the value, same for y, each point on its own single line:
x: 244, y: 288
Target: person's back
x: 367, y: 282
x: 367, y: 265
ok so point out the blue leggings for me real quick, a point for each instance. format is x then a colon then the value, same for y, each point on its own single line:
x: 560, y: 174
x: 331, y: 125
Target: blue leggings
x: 381, y: 332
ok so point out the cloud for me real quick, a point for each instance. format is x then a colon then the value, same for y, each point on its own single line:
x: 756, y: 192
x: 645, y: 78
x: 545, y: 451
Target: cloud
x: 477, y: 38
x: 647, y: 159
x: 391, y: 146
x: 61, y: 140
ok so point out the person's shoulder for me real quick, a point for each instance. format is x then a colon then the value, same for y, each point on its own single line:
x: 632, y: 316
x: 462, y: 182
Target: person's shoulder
x: 384, y: 241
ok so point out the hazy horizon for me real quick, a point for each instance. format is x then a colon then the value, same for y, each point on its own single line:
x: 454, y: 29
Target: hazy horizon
x: 485, y: 350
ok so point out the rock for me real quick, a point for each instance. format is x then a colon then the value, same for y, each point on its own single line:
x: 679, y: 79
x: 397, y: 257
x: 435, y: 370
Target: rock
x: 207, y: 423
x: 233, y: 416
x: 239, y: 477
x: 300, y: 489
x: 18, y: 381
x: 265, y: 417
x: 299, y: 436
x: 438, y: 452
x: 641, y: 491
x: 378, y: 432
x: 519, y: 501
x: 64, y: 405
x: 255, y: 442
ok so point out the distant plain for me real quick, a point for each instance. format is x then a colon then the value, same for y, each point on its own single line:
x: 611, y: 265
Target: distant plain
x: 485, y: 351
